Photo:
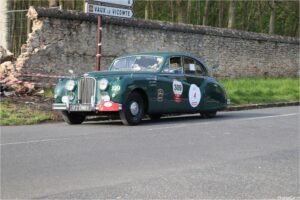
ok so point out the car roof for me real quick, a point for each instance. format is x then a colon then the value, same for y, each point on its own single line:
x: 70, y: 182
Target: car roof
x: 163, y: 54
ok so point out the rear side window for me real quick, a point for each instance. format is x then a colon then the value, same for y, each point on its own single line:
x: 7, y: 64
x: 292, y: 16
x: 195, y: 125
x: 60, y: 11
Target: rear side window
x: 174, y: 66
x: 192, y: 67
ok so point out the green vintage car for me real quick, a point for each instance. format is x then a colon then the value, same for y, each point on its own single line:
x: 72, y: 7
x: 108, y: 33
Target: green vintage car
x: 141, y: 84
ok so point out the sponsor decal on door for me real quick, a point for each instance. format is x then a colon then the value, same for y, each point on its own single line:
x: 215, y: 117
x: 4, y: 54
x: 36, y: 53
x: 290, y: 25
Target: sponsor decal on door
x: 194, y: 95
x: 160, y: 95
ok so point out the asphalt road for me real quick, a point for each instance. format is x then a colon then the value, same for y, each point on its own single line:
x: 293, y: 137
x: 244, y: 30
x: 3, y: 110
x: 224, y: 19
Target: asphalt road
x: 245, y: 154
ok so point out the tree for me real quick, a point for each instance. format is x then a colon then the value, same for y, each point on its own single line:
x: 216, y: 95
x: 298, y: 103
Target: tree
x: 53, y: 3
x: 231, y: 14
x: 172, y: 10
x: 272, y: 17
x: 198, y: 14
x: 189, y: 10
x: 147, y: 10
x: 221, y: 12
x: 181, y: 11
x: 205, y: 17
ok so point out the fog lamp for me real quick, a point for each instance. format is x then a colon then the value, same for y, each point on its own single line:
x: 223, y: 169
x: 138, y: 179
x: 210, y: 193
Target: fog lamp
x: 103, y: 84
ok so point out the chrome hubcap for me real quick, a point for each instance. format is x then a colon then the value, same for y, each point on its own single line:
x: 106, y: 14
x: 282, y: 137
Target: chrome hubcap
x: 134, y: 108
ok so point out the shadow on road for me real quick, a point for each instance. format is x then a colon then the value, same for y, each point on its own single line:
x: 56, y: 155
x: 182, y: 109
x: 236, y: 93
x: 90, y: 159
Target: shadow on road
x: 175, y: 119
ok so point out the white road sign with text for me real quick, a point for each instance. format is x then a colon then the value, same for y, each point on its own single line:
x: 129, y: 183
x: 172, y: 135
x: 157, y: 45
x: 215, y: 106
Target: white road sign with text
x: 110, y: 11
x: 118, y: 2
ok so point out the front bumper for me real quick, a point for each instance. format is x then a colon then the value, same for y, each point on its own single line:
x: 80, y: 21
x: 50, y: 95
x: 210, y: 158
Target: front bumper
x: 107, y: 106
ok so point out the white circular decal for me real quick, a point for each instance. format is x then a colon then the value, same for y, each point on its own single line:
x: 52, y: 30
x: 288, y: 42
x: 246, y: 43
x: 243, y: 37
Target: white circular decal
x: 194, y: 95
x: 108, y: 104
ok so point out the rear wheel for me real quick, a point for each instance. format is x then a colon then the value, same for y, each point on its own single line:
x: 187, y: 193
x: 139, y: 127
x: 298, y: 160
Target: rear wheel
x: 72, y: 118
x: 133, y: 110
x: 210, y: 114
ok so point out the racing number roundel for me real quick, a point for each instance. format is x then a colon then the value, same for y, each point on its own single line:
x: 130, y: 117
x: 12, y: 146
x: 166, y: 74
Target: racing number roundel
x: 194, y: 95
x: 177, y: 90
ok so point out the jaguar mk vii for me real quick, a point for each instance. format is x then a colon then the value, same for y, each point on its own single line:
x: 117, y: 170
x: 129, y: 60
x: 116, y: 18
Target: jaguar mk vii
x: 141, y: 84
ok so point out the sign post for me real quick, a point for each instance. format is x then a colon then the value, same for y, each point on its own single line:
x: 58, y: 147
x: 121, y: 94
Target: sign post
x: 99, y: 45
x: 114, y: 8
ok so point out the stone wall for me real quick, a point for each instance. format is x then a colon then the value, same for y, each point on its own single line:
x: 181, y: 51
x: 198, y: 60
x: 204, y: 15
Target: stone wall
x: 62, y: 40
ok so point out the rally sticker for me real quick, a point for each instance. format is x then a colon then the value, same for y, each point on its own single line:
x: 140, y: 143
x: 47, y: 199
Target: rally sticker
x: 160, y: 95
x: 177, y: 90
x: 194, y: 95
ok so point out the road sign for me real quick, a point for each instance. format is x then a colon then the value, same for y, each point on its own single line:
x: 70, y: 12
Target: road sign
x: 114, y: 8
x: 110, y: 11
x: 128, y: 3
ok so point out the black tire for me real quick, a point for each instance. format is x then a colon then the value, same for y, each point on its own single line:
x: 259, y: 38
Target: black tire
x: 133, y: 110
x: 72, y: 118
x: 210, y: 114
x: 155, y: 117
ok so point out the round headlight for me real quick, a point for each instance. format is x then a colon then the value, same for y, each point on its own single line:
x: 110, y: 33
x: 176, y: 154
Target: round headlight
x: 103, y: 84
x: 70, y: 85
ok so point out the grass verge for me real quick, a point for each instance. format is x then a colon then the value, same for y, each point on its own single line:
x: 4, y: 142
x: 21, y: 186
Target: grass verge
x: 15, y: 114
x: 240, y: 91
x: 260, y: 90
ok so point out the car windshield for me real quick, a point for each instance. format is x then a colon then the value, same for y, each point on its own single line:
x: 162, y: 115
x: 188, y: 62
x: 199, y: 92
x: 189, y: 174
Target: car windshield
x: 137, y: 63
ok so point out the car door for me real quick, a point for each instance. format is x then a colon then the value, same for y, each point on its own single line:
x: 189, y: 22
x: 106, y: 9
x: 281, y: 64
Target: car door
x: 195, y: 75
x: 173, y: 86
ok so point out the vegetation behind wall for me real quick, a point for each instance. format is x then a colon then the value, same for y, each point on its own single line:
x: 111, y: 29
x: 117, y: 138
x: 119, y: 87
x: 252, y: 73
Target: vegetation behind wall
x: 265, y: 16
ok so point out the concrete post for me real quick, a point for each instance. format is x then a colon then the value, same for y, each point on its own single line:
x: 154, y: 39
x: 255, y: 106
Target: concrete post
x: 3, y: 24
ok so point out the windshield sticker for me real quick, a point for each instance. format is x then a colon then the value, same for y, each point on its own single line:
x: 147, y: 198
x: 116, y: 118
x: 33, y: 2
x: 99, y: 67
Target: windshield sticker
x: 194, y: 95
x: 160, y: 95
x: 177, y: 90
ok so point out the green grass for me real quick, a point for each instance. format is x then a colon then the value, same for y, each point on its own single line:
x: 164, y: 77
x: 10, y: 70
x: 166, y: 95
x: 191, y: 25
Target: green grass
x: 13, y: 114
x: 260, y: 90
x: 48, y: 92
x: 240, y: 91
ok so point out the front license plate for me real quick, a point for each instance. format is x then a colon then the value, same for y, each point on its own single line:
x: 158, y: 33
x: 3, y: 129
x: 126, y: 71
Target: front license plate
x: 80, y: 107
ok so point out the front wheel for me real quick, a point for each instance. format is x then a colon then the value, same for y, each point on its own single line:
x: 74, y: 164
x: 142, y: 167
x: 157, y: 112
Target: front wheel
x: 210, y: 114
x: 133, y: 110
x: 72, y: 118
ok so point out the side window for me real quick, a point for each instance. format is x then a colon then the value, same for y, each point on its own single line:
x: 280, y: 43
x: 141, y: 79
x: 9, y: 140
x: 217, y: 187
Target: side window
x: 200, y: 69
x: 189, y: 66
x: 192, y: 67
x: 174, y: 65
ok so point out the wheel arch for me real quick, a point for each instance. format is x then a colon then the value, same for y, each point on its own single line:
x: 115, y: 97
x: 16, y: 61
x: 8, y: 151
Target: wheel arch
x: 144, y: 96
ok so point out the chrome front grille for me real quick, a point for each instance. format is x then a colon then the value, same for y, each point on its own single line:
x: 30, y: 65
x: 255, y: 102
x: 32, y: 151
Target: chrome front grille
x: 86, y: 90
